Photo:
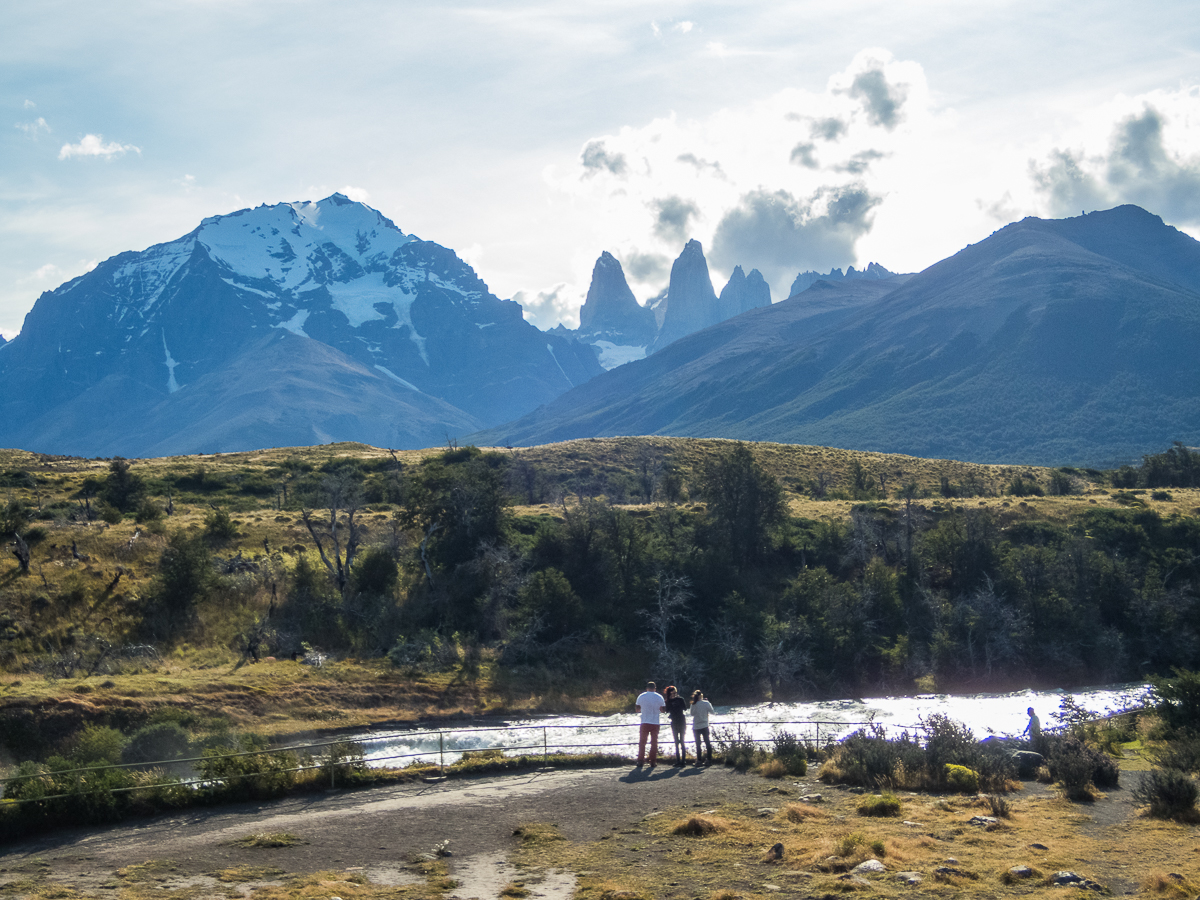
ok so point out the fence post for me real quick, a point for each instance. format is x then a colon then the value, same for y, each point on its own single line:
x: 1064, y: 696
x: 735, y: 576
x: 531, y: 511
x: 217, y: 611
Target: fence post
x: 545, y: 749
x: 442, y: 752
x: 818, y: 724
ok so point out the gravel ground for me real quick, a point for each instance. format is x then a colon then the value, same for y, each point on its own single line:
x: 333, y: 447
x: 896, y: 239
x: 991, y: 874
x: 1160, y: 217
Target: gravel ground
x: 379, y: 829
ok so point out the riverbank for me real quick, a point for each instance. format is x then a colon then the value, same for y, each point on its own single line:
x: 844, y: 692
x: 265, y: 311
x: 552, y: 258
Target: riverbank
x: 288, y: 701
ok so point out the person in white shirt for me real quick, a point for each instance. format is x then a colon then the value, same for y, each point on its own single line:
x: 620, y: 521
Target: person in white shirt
x: 701, y: 709
x: 649, y: 703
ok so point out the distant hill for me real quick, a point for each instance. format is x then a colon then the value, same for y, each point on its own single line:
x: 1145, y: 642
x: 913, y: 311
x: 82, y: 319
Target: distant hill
x: 297, y: 323
x: 1050, y: 342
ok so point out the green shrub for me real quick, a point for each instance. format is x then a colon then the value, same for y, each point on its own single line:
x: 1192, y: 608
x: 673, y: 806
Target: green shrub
x: 219, y: 527
x: 346, y: 761
x: 98, y: 745
x: 1169, y: 793
x: 259, y: 775
x: 962, y: 779
x: 148, y: 511
x: 868, y: 757
x: 882, y: 805
x: 1076, y: 765
x: 160, y: 742
x: 738, y: 750
x: 948, y: 741
x: 849, y: 844
x: 790, y: 751
x: 1182, y: 753
x: 1178, y: 702
x: 107, y: 512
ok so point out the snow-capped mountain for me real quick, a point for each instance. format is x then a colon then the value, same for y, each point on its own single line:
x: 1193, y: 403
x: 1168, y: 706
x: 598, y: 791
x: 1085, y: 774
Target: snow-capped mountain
x: 382, y: 337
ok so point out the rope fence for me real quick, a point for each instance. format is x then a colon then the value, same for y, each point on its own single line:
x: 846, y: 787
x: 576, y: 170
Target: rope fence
x: 448, y: 743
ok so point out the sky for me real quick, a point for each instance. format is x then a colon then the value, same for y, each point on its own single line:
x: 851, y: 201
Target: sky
x: 531, y: 136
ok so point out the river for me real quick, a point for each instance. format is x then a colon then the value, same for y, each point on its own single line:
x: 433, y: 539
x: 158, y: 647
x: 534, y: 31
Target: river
x: 984, y: 714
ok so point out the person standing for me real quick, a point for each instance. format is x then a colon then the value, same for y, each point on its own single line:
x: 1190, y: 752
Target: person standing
x: 1033, y: 729
x: 677, y: 711
x: 701, y: 709
x: 650, y: 703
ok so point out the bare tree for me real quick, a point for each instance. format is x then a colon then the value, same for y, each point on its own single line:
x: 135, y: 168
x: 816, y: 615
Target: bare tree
x: 670, y: 600
x: 337, y: 540
x: 21, y: 552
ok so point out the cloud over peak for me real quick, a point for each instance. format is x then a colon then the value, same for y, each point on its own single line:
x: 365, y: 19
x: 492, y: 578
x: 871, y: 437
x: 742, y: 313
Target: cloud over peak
x: 780, y: 234
x: 672, y: 217
x: 1149, y: 161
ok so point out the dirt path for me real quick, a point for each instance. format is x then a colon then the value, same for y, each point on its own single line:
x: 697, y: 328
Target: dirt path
x: 379, y: 830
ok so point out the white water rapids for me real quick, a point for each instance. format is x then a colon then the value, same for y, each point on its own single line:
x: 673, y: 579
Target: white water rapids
x: 984, y: 714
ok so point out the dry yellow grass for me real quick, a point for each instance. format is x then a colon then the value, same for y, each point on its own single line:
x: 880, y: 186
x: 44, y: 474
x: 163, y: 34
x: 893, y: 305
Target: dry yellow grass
x: 801, y: 812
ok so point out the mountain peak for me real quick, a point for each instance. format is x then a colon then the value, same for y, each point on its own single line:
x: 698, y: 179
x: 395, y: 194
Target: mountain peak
x: 178, y: 319
x: 691, y: 302
x: 873, y: 272
x: 611, y: 312
x: 743, y: 293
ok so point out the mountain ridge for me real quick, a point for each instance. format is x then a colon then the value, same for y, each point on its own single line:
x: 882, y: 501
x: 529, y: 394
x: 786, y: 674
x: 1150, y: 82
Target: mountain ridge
x: 1024, y: 347
x: 408, y: 312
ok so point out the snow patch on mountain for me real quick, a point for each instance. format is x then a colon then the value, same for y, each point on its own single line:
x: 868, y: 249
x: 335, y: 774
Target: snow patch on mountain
x: 141, y: 281
x: 392, y: 375
x: 613, y: 355
x: 172, y: 384
x: 295, y: 244
x: 550, y: 347
x: 296, y: 323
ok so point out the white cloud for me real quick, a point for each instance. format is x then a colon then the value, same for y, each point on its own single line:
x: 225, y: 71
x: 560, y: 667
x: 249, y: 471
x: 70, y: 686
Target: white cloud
x: 684, y: 27
x: 357, y: 194
x: 48, y: 272
x: 93, y: 145
x: 29, y: 104
x: 545, y: 309
x: 1139, y: 150
x: 750, y: 182
x: 33, y: 129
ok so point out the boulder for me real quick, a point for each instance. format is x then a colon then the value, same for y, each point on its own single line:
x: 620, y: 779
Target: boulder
x: 870, y: 866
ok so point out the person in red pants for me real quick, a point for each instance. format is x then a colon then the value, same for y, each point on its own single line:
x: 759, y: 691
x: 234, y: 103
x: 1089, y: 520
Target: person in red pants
x: 650, y: 704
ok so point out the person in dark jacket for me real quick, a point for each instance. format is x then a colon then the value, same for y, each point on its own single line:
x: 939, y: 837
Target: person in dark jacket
x: 677, y: 711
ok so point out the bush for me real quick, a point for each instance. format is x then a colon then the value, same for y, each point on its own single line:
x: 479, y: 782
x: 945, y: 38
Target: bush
x: 791, y: 753
x: 148, y: 511
x: 426, y: 651
x: 883, y: 805
x: 867, y: 757
x: 999, y: 806
x: 346, y: 761
x: 1075, y: 764
x: 948, y: 742
x: 1182, y: 754
x: 161, y: 742
x: 219, y: 527
x: 259, y: 776
x: 98, y: 745
x: 1178, y: 702
x: 1169, y: 793
x: 738, y: 751
x: 962, y: 779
